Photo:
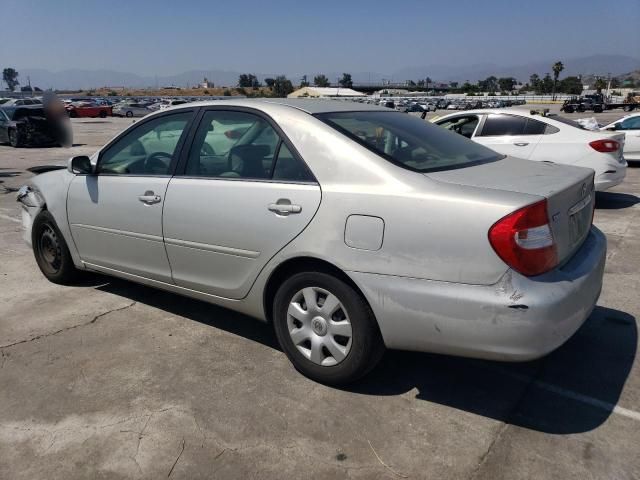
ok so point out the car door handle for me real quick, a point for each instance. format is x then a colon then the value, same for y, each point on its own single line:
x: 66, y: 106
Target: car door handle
x: 521, y: 144
x: 149, y: 198
x: 284, y: 207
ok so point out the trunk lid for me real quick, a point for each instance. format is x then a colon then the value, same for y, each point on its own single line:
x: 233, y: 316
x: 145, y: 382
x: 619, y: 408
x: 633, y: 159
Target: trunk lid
x: 569, y: 192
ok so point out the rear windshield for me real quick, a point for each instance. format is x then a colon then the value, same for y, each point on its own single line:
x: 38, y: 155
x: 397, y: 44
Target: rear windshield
x: 409, y: 141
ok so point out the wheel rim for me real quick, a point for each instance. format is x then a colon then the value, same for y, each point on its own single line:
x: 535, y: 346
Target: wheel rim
x: 12, y: 137
x: 319, y: 326
x: 49, y: 249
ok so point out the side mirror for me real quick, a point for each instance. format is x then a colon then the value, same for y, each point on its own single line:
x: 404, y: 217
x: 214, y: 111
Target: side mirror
x: 80, y: 165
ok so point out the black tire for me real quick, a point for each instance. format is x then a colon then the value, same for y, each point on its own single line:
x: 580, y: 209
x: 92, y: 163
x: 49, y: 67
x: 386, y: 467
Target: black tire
x: 568, y: 109
x: 14, y: 138
x: 129, y: 114
x: 51, y: 251
x: 73, y: 114
x: 103, y: 114
x: 367, y: 346
x: 581, y: 108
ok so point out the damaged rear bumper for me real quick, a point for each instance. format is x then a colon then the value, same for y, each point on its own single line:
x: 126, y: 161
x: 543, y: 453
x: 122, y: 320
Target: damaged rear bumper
x: 519, y: 318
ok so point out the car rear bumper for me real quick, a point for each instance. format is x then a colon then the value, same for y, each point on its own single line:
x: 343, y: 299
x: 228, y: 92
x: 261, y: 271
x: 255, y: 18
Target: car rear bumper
x: 615, y: 177
x: 517, y: 319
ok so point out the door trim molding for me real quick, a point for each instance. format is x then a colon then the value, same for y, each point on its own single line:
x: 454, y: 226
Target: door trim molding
x: 237, y: 252
x: 125, y: 233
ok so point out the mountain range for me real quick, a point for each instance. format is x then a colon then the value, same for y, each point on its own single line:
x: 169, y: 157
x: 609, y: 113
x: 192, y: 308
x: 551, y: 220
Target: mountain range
x: 85, y: 79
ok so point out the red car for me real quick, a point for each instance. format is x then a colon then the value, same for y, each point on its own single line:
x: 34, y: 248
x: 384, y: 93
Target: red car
x: 83, y: 110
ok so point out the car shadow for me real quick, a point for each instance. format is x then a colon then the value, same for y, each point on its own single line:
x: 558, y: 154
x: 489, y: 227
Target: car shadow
x: 574, y: 389
x: 196, y: 310
x: 615, y: 200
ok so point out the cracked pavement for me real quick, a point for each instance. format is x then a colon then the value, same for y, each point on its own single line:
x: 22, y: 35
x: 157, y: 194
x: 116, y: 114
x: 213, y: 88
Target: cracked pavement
x: 109, y: 379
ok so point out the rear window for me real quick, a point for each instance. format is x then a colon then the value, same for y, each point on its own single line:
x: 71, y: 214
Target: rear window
x: 408, y: 141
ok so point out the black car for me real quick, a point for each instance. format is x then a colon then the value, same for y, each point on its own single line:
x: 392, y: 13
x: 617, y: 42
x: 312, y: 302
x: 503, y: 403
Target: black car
x: 23, y: 126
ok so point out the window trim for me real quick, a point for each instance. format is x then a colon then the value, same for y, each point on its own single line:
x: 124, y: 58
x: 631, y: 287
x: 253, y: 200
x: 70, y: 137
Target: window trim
x: 176, y: 155
x: 184, y: 157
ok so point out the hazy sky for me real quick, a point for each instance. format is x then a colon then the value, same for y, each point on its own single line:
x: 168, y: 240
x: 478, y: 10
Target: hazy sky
x: 167, y: 37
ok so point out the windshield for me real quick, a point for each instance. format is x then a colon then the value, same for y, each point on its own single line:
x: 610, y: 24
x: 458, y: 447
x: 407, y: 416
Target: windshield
x: 408, y: 141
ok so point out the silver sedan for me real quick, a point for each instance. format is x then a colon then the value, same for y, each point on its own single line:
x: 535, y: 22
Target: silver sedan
x: 350, y: 228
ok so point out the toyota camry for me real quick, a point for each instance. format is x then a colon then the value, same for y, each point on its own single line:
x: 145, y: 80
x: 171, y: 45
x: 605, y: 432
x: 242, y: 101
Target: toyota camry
x: 350, y: 228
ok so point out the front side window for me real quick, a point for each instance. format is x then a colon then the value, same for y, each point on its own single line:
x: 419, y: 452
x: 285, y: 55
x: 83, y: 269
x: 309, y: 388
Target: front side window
x: 632, y: 123
x: 147, y: 149
x: 232, y: 144
x: 464, y: 126
x: 408, y: 141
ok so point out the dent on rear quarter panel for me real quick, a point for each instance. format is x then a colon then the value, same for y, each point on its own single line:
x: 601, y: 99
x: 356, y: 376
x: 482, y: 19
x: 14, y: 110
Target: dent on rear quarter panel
x: 53, y: 186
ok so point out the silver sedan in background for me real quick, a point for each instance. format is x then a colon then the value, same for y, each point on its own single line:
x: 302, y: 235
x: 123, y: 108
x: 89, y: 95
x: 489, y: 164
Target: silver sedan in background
x: 350, y: 228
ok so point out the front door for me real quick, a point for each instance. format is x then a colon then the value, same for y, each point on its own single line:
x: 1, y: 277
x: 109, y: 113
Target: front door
x: 243, y: 194
x: 116, y: 215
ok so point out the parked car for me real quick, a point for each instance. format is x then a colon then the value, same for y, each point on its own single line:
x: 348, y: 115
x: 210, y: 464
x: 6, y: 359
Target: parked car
x: 17, y: 102
x: 172, y: 103
x: 88, y: 110
x: 549, y: 139
x: 131, y: 109
x: 630, y: 126
x: 308, y: 221
x: 28, y: 125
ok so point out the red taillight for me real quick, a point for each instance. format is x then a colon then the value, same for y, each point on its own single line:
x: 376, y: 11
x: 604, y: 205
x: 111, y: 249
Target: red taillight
x: 523, y: 240
x: 605, y: 146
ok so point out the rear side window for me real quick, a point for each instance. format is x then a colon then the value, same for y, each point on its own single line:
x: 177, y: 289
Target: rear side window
x: 408, y: 141
x: 499, y: 125
x: 534, y: 127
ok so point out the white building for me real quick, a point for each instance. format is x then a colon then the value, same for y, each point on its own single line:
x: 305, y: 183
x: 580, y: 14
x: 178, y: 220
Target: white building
x: 324, y: 92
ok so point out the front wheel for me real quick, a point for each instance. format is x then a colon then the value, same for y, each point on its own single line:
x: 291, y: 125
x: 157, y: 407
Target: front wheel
x: 51, y: 251
x: 326, y: 328
x: 129, y: 114
x: 14, y: 138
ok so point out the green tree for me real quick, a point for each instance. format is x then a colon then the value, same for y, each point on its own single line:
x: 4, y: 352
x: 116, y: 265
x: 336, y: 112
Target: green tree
x: 248, y: 80
x: 600, y: 84
x: 304, y: 82
x: 346, y: 81
x: 489, y: 84
x: 546, y: 84
x: 428, y: 82
x: 557, y: 68
x: 507, y: 84
x: 282, y: 86
x: 321, y: 81
x: 269, y: 82
x: 570, y: 85
x: 534, y: 81
x: 10, y: 77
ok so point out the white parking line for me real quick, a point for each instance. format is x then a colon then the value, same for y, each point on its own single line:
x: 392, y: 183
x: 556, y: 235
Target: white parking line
x: 594, y: 402
x: 578, y: 397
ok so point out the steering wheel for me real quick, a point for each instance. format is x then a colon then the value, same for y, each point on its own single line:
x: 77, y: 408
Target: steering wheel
x: 206, y: 149
x: 157, y: 163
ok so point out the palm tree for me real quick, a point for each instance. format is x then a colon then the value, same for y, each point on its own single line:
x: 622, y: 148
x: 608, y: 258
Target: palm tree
x: 557, y: 68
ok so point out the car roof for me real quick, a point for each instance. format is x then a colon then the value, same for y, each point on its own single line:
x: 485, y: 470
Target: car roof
x: 311, y: 106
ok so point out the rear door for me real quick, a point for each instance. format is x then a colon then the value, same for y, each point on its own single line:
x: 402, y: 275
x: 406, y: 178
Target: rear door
x: 631, y: 128
x: 115, y: 215
x: 509, y: 134
x: 243, y: 193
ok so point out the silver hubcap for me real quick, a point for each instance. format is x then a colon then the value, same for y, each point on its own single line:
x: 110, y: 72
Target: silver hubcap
x: 319, y: 326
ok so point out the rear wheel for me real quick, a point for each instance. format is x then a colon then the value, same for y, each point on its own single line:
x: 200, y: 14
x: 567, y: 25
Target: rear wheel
x: 73, y: 114
x: 14, y: 138
x: 51, y: 251
x: 103, y: 114
x: 326, y: 328
x: 129, y: 113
